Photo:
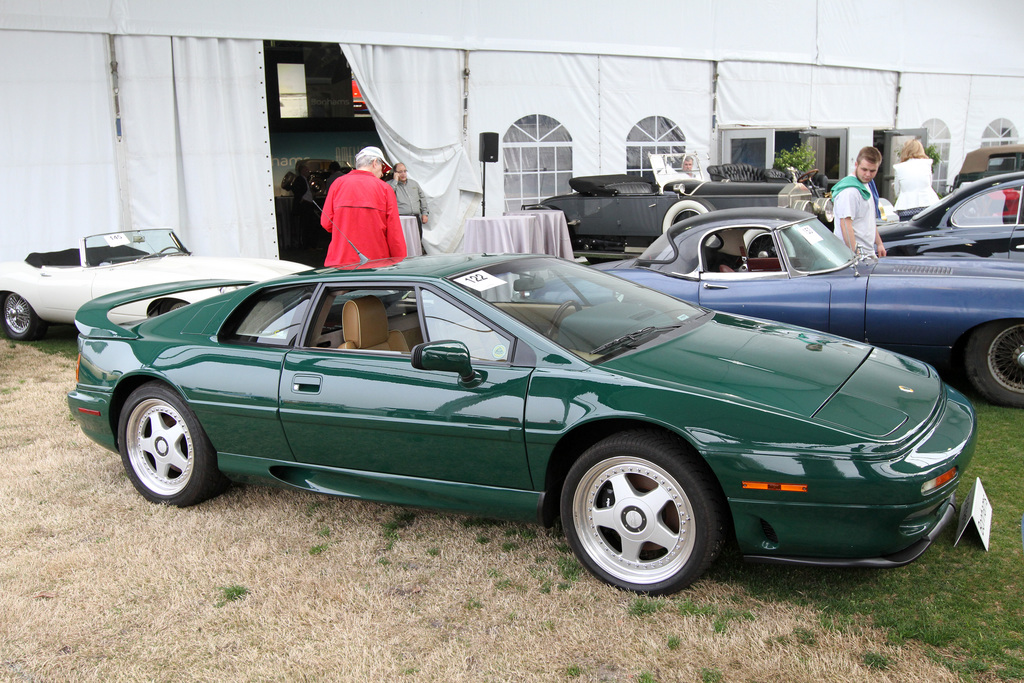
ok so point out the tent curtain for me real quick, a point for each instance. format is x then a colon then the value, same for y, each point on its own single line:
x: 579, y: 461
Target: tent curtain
x: 58, y: 177
x: 774, y: 95
x: 415, y: 98
x: 195, y: 142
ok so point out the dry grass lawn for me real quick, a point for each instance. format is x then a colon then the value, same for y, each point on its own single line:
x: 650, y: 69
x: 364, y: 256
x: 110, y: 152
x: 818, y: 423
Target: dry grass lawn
x: 268, y: 584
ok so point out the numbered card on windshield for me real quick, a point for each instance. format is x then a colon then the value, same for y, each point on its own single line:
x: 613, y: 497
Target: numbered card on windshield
x: 116, y: 239
x: 481, y: 281
x: 810, y: 234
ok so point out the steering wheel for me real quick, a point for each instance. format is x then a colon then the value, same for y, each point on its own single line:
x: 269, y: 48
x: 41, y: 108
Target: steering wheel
x: 560, y: 313
x: 804, y: 177
x: 168, y: 249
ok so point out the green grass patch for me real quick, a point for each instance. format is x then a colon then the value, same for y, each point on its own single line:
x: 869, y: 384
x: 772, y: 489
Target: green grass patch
x: 60, y: 340
x: 231, y: 594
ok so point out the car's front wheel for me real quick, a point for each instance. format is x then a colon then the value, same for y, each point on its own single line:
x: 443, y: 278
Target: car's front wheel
x: 20, y: 320
x: 165, y: 451
x: 994, y: 360
x: 643, y: 512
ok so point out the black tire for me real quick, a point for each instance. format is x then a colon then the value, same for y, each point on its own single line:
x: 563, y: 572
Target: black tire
x: 644, y: 513
x: 20, y: 320
x: 994, y: 360
x: 683, y: 209
x: 165, y: 306
x: 165, y: 451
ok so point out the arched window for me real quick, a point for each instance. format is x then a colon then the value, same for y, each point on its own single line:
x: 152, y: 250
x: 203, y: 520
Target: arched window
x: 999, y: 132
x: 537, y: 151
x: 653, y: 135
x: 938, y: 136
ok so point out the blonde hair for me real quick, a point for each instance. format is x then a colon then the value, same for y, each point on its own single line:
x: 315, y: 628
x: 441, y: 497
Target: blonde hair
x: 913, y: 150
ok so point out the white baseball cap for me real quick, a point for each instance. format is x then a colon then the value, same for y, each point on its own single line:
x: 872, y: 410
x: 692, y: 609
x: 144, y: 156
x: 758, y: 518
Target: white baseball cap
x: 377, y: 154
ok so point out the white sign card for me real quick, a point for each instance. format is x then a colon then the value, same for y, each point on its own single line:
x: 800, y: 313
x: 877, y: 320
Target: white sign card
x: 116, y: 239
x: 481, y: 281
x: 978, y: 510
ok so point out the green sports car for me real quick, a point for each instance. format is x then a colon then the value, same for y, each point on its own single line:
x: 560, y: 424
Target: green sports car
x: 528, y: 388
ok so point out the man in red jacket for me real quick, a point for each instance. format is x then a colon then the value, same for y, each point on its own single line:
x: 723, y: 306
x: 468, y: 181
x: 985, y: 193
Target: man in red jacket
x: 361, y: 213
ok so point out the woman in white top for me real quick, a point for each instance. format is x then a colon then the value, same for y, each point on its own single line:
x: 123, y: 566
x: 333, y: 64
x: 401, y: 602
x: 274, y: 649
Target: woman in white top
x: 913, y: 182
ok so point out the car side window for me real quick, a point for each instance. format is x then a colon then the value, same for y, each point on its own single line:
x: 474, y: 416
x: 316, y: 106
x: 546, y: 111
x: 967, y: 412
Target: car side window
x: 366, y: 319
x: 740, y: 250
x: 995, y: 207
x: 273, y: 317
x: 445, y: 320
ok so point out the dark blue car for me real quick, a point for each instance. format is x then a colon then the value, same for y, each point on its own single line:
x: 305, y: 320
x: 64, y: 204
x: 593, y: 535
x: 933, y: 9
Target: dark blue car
x: 784, y: 265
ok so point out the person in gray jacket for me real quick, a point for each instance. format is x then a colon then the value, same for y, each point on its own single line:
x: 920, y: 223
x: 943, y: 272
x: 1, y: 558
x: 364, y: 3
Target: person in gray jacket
x: 411, y: 200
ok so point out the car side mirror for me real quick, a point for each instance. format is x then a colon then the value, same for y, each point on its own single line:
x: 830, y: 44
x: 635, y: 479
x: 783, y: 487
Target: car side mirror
x: 449, y: 355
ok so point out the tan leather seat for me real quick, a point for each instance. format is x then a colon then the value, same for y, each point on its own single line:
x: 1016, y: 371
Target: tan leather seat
x: 365, y: 325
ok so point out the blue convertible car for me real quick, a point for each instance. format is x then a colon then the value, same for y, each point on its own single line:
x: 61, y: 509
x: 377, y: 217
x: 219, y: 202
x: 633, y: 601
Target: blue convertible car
x: 784, y: 265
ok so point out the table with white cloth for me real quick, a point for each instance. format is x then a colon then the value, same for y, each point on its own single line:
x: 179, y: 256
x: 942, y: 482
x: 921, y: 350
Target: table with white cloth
x: 411, y: 229
x: 519, y: 232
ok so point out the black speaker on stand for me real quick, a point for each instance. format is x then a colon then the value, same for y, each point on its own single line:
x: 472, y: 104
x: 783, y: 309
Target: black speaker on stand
x: 488, y: 155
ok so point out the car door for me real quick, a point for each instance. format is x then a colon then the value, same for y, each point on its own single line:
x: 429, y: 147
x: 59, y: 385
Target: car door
x: 370, y: 410
x: 988, y: 224
x: 760, y: 285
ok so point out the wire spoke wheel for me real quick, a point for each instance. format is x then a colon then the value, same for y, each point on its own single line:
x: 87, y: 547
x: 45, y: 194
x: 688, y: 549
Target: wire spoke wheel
x: 1005, y: 357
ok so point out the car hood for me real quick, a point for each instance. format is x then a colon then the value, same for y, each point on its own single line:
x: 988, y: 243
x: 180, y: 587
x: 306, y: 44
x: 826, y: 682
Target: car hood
x: 843, y: 383
x: 948, y: 267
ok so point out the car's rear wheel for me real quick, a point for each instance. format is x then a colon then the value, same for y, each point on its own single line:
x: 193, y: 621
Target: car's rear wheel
x: 165, y: 450
x: 994, y: 360
x: 643, y: 512
x: 20, y: 321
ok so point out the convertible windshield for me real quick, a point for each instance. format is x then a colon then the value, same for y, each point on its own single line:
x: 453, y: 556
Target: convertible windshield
x: 813, y: 248
x: 121, y: 247
x: 592, y: 314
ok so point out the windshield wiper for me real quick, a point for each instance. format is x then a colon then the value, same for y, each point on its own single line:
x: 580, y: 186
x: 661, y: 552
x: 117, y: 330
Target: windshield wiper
x: 632, y: 338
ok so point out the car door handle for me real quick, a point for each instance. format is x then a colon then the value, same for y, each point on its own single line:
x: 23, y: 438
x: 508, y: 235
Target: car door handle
x: 1019, y: 246
x: 306, y: 384
x: 708, y: 285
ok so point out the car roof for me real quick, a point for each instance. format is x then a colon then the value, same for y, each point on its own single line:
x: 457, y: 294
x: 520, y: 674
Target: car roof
x: 429, y: 266
x: 930, y: 216
x: 976, y: 161
x: 769, y: 217
x: 693, y: 229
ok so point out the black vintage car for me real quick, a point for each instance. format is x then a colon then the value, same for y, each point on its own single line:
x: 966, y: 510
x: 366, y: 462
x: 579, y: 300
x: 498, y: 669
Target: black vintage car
x: 982, y: 218
x: 625, y: 213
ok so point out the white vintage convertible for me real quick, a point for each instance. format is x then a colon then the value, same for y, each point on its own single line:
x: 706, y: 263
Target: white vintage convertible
x: 49, y: 287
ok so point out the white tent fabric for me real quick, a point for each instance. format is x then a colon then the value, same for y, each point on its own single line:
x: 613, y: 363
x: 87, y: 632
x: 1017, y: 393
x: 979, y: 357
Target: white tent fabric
x: 225, y: 171
x: 415, y: 98
x: 57, y: 161
x: 195, y: 143
x: 934, y: 96
x: 798, y: 96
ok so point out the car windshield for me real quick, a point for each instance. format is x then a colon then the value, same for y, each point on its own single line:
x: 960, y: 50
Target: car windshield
x: 592, y: 314
x: 813, y: 248
x: 131, y: 245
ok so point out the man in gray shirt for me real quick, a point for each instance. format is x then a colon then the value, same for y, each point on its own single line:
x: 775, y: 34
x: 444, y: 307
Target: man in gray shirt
x: 411, y: 200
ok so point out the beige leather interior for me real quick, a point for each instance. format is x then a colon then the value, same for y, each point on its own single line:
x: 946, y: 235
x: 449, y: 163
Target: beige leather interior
x: 365, y: 325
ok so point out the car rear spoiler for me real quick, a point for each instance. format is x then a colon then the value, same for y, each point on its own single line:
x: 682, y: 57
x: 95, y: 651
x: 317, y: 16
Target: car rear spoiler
x: 92, y: 321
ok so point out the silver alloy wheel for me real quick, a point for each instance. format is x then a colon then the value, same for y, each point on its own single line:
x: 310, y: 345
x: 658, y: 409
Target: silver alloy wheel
x: 160, y: 447
x: 17, y: 314
x: 634, y: 520
x: 1005, y: 354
